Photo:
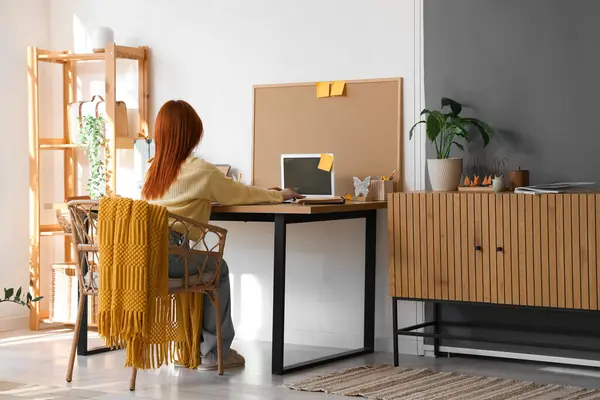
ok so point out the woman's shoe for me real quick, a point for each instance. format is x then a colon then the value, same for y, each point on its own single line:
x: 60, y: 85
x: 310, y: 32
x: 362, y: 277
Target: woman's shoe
x: 233, y: 360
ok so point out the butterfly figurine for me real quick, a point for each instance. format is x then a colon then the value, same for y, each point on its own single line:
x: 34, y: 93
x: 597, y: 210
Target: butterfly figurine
x: 361, y: 188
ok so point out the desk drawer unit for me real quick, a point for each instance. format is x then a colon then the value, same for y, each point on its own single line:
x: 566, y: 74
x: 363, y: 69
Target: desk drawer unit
x: 524, y: 250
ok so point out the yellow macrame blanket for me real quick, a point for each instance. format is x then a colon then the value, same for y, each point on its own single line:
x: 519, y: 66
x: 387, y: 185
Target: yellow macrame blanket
x: 135, y: 308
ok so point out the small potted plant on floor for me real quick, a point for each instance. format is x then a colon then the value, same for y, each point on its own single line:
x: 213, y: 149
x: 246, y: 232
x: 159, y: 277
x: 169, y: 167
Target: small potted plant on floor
x: 11, y: 297
x: 443, y: 128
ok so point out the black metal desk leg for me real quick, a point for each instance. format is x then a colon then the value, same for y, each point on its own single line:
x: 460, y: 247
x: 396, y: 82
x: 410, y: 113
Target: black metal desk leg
x: 395, y: 327
x: 370, y: 258
x: 82, y: 340
x: 277, y: 350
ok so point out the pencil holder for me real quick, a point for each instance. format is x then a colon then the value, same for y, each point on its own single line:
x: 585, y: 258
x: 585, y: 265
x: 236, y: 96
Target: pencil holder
x: 379, y: 189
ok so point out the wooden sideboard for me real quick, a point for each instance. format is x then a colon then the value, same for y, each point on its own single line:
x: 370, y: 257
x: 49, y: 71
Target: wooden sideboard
x: 523, y: 250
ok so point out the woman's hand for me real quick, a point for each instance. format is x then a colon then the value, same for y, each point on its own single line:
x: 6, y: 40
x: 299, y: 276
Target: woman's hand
x: 289, y: 194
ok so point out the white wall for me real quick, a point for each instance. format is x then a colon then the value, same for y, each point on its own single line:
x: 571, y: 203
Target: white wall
x: 210, y: 53
x: 22, y: 23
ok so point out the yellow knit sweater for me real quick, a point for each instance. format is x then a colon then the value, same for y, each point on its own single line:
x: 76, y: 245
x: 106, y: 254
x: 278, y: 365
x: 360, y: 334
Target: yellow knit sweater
x: 199, y: 184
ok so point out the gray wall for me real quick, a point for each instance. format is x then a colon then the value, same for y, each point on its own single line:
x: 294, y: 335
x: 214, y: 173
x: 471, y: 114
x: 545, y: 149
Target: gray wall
x: 530, y: 68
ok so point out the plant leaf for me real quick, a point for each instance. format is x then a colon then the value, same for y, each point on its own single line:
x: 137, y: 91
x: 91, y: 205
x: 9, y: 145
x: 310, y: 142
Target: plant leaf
x: 8, y: 293
x: 461, y: 131
x: 412, y: 130
x: 460, y: 146
x: 425, y: 111
x: 18, y: 295
x: 455, y: 106
x: 434, y: 125
x: 484, y: 129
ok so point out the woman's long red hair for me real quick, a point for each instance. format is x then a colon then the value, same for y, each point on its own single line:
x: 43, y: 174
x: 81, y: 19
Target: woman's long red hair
x: 177, y: 131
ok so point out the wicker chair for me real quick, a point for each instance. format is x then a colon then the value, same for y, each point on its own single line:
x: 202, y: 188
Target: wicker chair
x: 211, y: 243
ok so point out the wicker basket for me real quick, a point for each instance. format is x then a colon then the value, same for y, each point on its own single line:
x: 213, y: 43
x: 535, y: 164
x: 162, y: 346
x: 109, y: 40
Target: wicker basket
x: 64, y: 220
x: 63, y: 301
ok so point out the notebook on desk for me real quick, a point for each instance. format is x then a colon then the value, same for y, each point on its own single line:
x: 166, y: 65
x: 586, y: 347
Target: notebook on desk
x: 320, y: 200
x: 301, y: 173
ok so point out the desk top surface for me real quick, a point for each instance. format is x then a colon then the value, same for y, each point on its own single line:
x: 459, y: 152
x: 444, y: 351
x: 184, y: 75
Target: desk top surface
x: 300, y: 209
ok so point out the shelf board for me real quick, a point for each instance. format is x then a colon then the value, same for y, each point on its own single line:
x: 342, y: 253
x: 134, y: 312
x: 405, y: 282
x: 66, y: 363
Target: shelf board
x: 54, y: 233
x: 66, y: 146
x: 52, y: 230
x: 121, y: 52
x: 47, y: 324
x: 122, y: 143
x: 64, y: 57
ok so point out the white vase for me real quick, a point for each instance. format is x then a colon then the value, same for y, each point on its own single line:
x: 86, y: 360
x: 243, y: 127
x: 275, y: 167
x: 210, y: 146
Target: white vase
x: 101, y: 37
x: 445, y: 174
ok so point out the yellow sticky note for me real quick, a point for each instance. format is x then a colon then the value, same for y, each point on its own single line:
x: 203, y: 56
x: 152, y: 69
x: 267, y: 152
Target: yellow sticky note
x: 337, y: 88
x: 322, y: 89
x: 326, y: 162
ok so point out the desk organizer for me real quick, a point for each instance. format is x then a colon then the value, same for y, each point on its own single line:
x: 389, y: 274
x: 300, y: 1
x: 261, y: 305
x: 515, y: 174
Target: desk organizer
x: 379, y: 190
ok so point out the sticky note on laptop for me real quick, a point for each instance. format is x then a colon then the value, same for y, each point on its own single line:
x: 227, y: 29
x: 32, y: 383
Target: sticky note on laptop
x: 322, y: 89
x: 337, y: 88
x: 326, y: 162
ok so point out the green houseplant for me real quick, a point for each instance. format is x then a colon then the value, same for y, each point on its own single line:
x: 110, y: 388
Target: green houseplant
x: 91, y: 136
x: 444, y: 128
x: 10, y: 296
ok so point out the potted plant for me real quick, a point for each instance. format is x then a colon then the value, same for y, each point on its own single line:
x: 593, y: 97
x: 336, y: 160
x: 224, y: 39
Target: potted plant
x: 443, y: 128
x: 11, y: 297
x: 91, y: 137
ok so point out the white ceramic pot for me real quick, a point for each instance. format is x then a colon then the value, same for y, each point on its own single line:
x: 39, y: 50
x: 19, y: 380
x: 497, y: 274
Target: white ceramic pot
x: 101, y: 37
x: 445, y: 174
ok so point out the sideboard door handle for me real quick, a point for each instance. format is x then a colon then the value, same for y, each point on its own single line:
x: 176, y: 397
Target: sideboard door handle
x: 477, y: 248
x: 499, y: 248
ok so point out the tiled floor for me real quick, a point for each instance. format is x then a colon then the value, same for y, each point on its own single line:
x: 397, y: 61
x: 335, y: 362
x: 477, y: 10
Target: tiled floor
x: 33, y: 366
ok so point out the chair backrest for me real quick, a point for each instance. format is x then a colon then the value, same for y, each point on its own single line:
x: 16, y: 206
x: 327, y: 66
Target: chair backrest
x: 200, y: 248
x: 84, y: 228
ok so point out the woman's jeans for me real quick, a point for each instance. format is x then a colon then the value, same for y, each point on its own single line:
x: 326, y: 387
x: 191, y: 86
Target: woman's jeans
x: 209, y: 327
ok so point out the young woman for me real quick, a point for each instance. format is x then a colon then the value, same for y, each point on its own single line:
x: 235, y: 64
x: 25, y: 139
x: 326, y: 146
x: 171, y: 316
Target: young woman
x: 187, y: 186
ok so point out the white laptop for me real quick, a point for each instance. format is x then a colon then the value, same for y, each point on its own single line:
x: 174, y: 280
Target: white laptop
x: 300, y: 173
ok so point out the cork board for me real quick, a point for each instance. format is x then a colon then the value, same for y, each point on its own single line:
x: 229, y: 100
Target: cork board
x: 362, y: 129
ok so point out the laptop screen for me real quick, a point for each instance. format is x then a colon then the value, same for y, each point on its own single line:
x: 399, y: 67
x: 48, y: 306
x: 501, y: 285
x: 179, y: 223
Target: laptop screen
x: 304, y: 177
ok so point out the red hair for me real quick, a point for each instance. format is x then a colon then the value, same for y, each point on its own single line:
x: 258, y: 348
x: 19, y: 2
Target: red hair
x: 177, y: 131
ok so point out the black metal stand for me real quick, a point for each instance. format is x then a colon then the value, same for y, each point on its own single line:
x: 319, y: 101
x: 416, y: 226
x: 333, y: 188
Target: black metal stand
x: 436, y: 329
x: 281, y: 221
x: 437, y: 324
x: 82, y: 339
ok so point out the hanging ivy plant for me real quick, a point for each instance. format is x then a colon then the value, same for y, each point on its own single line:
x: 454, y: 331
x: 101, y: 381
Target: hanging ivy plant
x: 91, y: 136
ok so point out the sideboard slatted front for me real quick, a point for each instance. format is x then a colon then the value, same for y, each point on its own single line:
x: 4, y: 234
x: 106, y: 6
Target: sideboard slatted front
x: 512, y: 249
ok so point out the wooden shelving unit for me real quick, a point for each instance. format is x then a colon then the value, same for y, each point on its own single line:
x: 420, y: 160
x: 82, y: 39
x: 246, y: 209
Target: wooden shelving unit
x: 68, y: 61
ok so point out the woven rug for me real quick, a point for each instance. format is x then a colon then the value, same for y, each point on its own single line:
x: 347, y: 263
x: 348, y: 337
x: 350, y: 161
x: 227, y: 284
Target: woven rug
x: 384, y: 382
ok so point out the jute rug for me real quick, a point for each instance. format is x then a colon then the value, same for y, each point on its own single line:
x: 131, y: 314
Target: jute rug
x: 384, y: 382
